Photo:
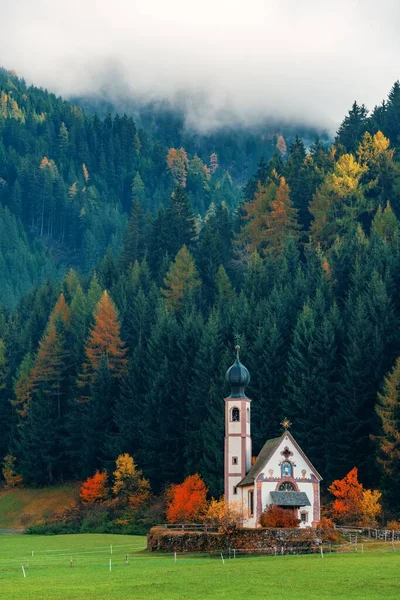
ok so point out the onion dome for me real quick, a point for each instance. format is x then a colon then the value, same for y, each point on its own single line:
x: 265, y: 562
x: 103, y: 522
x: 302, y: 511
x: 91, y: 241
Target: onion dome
x: 238, y: 377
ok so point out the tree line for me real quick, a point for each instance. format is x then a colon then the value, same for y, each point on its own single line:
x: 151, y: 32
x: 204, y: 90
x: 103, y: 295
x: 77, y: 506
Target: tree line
x: 132, y: 358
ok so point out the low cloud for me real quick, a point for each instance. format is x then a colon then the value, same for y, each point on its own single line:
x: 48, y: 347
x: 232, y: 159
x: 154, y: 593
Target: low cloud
x: 297, y: 60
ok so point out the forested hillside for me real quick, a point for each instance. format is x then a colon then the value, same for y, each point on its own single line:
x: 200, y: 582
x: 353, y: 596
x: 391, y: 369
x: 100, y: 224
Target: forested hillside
x: 128, y: 351
x: 70, y: 177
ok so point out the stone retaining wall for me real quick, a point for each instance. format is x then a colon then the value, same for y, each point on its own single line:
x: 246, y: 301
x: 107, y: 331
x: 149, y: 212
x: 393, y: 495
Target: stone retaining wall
x: 285, y: 541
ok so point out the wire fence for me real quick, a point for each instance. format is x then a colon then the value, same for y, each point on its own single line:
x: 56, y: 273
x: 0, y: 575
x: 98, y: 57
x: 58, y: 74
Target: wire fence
x: 124, y: 556
x: 385, y: 535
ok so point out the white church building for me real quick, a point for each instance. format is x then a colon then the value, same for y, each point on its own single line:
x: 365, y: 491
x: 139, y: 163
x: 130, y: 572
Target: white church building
x: 281, y: 475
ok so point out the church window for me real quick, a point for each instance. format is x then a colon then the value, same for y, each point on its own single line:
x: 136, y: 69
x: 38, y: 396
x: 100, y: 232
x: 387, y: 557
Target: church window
x: 286, y: 487
x: 286, y: 469
x: 304, y: 517
x: 248, y: 415
x: 235, y: 414
x: 234, y: 460
x: 234, y: 490
x: 251, y: 503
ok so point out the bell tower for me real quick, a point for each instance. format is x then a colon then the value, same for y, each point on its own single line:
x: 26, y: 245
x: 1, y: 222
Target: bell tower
x: 237, y: 429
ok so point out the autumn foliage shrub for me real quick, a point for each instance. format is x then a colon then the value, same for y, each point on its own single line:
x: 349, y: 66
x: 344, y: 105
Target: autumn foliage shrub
x: 187, y: 501
x: 226, y: 517
x: 393, y: 525
x: 94, y: 489
x: 327, y: 531
x: 275, y: 516
x: 325, y: 523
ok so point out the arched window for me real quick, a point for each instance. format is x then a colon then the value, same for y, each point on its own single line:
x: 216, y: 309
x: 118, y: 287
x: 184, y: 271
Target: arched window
x: 286, y: 487
x: 286, y: 469
x: 235, y: 414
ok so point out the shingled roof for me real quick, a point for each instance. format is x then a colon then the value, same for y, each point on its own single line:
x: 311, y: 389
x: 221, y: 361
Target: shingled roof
x: 290, y: 498
x: 266, y: 452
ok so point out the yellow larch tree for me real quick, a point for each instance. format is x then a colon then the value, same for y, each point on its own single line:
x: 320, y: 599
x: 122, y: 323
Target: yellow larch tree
x: 181, y: 279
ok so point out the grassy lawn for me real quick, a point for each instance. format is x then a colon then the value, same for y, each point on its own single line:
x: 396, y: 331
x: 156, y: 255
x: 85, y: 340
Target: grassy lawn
x: 49, y: 575
x: 21, y: 507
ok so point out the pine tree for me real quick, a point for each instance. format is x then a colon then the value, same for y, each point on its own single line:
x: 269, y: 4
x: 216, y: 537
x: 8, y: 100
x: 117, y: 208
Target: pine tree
x: 5, y: 405
x: 180, y: 222
x: 388, y: 410
x: 352, y: 128
x: 205, y: 417
x: 138, y: 190
x: 300, y: 181
x: 42, y: 423
x: 135, y: 237
x: 96, y: 427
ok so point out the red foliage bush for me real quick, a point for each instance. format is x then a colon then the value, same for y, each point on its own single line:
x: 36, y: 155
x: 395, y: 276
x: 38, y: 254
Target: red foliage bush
x: 275, y: 516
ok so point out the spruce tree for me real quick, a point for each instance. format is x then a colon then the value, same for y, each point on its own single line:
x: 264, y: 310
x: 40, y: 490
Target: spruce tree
x: 205, y: 415
x: 388, y: 440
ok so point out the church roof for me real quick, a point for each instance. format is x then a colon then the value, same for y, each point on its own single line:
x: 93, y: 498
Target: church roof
x: 290, y: 498
x: 266, y: 453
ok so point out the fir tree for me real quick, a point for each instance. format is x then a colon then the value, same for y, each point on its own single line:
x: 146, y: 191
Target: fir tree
x: 388, y: 410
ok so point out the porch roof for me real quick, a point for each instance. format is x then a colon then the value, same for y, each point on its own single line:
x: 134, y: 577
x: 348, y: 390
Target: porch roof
x: 290, y: 498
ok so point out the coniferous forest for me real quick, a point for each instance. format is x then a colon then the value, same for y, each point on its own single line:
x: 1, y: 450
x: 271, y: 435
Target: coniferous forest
x: 132, y: 264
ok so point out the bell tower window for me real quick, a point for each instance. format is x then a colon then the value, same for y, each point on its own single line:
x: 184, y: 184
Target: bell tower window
x: 235, y: 414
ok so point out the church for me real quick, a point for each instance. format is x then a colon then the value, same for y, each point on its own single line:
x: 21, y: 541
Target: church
x: 281, y: 475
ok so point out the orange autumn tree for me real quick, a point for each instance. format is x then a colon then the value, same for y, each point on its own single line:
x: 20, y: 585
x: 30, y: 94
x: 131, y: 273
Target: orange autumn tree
x: 253, y: 235
x: 354, y: 503
x: 348, y: 493
x: 177, y: 164
x: 94, y: 489
x: 47, y: 373
x: 282, y: 220
x: 104, y: 343
x: 186, y: 501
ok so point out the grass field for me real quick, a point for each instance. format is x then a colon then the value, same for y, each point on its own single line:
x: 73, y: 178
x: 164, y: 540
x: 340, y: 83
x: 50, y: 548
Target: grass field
x: 21, y: 507
x: 49, y: 575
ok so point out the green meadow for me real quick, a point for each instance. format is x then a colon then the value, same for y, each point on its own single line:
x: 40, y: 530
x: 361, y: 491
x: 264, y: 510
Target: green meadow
x: 144, y: 576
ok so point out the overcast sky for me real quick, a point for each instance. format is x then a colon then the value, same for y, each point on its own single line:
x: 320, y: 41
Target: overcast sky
x: 298, y: 59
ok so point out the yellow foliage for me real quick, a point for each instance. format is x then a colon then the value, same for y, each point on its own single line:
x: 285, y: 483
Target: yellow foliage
x: 177, y: 163
x: 181, y: 279
x: 129, y: 484
x: 373, y: 147
x: 370, y: 506
x: 226, y: 516
x: 346, y: 176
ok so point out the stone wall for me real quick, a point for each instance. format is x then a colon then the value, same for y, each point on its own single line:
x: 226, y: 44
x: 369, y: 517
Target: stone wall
x: 285, y: 541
